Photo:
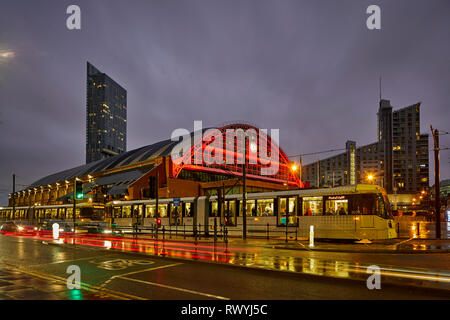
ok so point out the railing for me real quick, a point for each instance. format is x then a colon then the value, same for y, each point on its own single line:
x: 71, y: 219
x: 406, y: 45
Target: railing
x: 216, y: 232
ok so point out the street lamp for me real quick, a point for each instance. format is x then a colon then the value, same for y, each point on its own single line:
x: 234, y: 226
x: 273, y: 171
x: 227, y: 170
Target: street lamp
x: 370, y: 177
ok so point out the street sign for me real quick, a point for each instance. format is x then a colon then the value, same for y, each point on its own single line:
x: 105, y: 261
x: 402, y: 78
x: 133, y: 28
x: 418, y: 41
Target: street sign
x: 176, y: 202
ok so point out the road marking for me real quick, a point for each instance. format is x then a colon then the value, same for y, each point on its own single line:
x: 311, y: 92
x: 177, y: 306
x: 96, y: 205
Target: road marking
x: 397, y: 244
x: 120, y: 264
x: 67, y: 261
x: 175, y: 288
x: 85, y: 286
x: 138, y: 271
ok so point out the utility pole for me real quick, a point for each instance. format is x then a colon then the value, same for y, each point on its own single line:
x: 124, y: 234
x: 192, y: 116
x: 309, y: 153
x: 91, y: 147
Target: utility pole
x: 437, y: 204
x: 14, y: 198
x: 244, y: 192
x: 157, y: 194
x: 74, y: 207
x: 301, y: 168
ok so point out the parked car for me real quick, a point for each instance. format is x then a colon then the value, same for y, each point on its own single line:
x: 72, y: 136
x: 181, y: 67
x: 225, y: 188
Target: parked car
x: 94, y: 227
x: 47, y: 226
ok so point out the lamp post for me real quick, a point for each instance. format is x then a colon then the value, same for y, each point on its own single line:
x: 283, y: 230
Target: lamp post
x: 244, y: 193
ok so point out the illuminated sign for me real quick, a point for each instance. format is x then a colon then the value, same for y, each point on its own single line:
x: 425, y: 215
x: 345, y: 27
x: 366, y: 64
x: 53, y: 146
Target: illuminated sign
x: 337, y: 197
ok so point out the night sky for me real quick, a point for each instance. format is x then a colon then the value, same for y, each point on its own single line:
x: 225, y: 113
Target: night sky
x: 309, y: 68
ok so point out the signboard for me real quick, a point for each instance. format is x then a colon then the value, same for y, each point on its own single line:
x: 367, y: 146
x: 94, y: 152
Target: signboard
x: 176, y: 202
x: 340, y: 197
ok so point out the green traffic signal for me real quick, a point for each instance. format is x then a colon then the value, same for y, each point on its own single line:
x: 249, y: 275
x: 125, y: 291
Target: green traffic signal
x: 78, y: 189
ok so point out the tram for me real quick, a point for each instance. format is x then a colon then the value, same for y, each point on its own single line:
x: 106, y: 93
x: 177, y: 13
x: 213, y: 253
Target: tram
x: 347, y: 212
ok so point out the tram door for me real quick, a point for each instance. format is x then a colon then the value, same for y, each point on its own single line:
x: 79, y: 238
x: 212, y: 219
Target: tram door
x: 229, y: 213
x: 175, y: 215
x: 138, y: 214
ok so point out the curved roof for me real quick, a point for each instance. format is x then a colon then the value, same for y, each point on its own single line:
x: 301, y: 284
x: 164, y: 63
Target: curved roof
x: 133, y: 157
x: 140, y: 155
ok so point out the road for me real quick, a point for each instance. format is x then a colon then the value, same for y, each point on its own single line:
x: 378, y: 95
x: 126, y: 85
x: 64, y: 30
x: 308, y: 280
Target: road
x: 33, y: 269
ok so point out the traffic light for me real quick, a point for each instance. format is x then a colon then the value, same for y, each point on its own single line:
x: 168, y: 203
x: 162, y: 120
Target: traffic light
x: 78, y: 190
x: 158, y: 223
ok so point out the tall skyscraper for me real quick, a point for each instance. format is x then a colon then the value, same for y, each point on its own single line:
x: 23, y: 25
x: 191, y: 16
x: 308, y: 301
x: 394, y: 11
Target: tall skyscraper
x: 385, y: 127
x: 106, y: 116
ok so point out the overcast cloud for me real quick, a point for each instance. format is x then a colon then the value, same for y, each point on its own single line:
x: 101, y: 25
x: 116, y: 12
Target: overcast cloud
x: 309, y: 68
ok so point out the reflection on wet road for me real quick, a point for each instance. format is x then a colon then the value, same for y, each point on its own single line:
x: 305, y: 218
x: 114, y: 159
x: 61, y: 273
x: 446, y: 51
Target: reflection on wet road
x: 430, y: 270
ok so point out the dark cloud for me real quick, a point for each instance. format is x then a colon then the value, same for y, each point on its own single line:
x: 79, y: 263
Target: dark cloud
x: 310, y: 68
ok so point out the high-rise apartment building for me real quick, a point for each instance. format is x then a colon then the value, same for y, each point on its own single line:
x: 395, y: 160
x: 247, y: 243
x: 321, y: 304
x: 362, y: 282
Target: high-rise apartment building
x: 398, y: 161
x: 106, y: 116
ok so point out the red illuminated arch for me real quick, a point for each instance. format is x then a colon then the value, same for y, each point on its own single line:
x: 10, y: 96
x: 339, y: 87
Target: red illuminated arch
x: 284, y: 174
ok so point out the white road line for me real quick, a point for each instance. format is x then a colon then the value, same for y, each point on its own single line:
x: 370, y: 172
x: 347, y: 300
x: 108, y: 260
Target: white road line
x: 176, y: 288
x: 138, y: 271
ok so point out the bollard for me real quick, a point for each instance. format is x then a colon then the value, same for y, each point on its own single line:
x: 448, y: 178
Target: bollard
x: 199, y: 230
x: 267, y: 231
x: 418, y: 228
x: 55, y: 228
x: 164, y: 232
x: 184, y: 230
x: 170, y: 231
x: 296, y: 231
x: 311, y: 236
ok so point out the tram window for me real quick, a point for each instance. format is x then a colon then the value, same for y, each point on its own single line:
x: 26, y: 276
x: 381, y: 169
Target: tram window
x: 69, y: 213
x: 214, y: 209
x: 48, y: 214
x: 251, y: 208
x: 363, y: 204
x: 175, y: 215
x: 54, y: 213
x: 126, y: 212
x: 264, y: 207
x: 117, y: 212
x: 62, y: 213
x: 312, y: 206
x: 230, y: 213
x: 138, y: 211
x: 289, y: 206
x: 77, y: 214
x: 386, y: 207
x: 162, y: 211
x: 336, y: 205
x: 188, y: 210
x: 150, y: 211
